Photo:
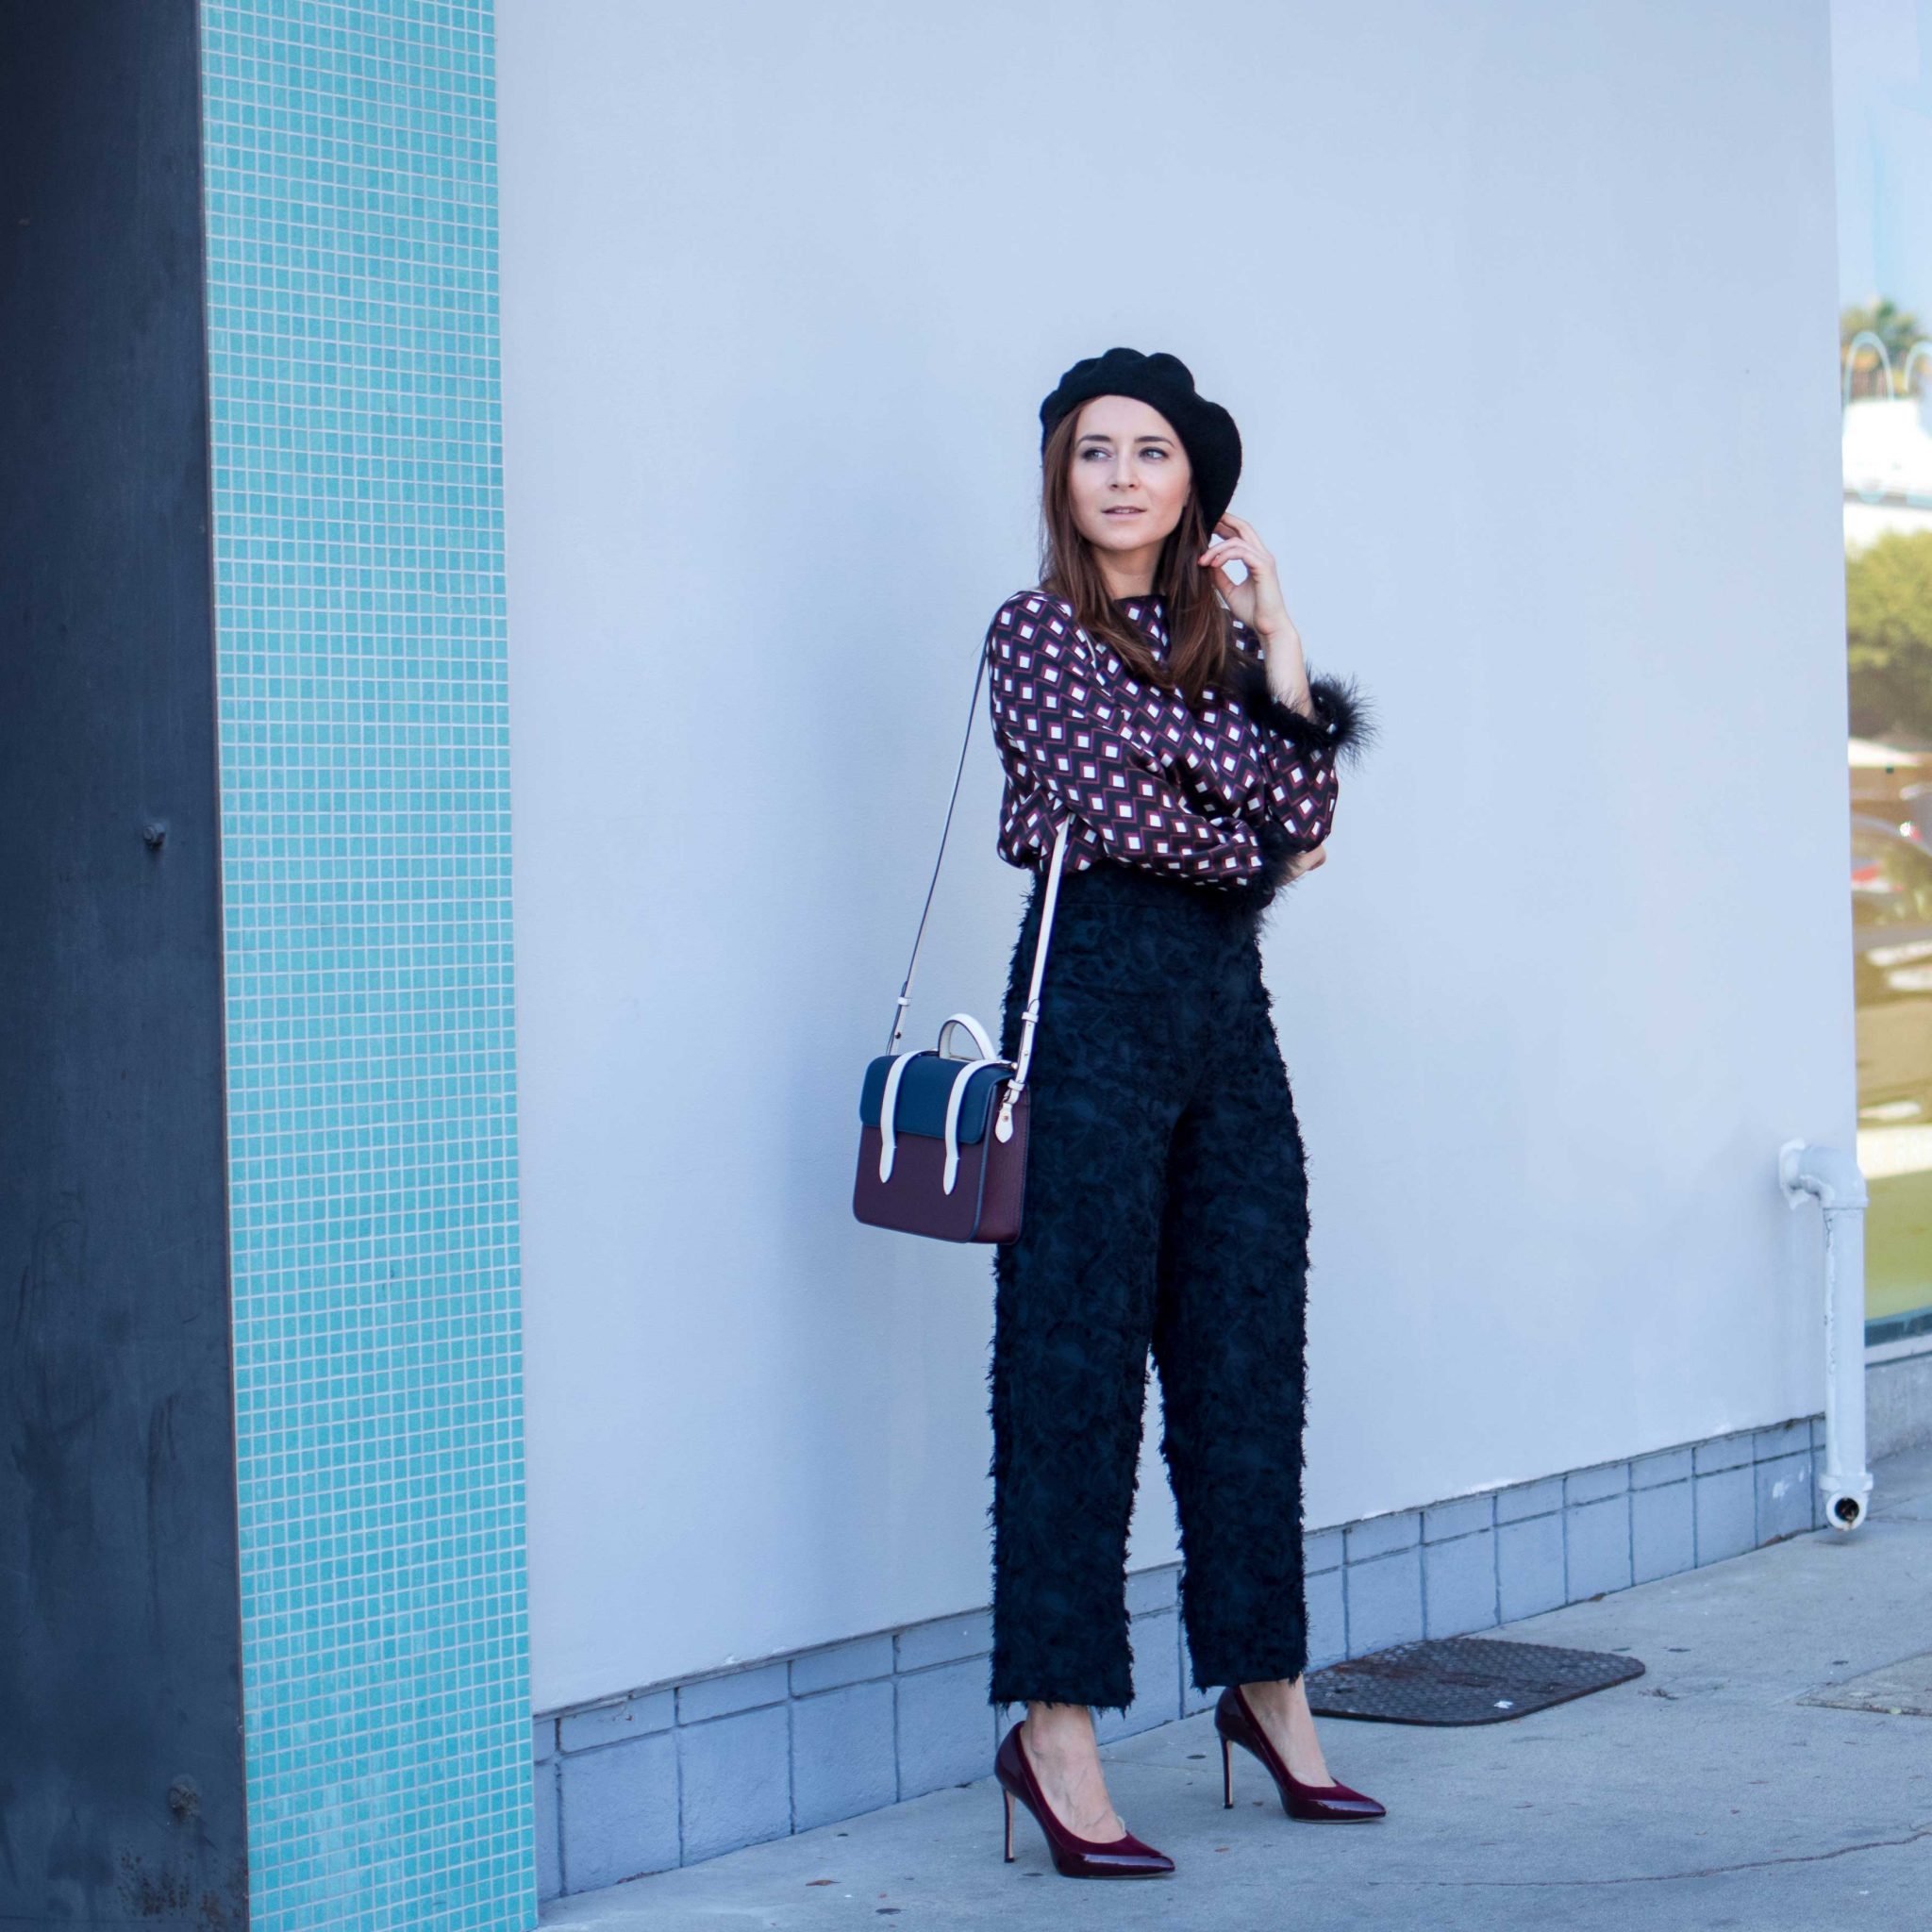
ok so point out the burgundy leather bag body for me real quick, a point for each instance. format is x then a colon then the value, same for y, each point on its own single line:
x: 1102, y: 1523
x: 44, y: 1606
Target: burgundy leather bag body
x: 943, y: 1136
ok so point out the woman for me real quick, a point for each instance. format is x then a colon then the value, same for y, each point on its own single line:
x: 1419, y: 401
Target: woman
x: 1166, y: 1198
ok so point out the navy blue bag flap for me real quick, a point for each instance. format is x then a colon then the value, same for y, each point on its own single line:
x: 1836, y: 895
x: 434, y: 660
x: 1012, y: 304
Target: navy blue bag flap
x: 924, y: 1088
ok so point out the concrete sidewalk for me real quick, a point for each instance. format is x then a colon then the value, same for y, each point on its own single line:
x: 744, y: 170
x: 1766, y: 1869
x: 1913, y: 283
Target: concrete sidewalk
x: 1705, y: 1793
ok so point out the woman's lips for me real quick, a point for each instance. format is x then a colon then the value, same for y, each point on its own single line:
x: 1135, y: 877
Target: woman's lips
x: 1124, y: 510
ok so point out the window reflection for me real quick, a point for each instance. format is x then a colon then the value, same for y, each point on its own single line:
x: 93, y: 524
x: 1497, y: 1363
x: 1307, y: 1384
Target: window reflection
x: 1882, y: 83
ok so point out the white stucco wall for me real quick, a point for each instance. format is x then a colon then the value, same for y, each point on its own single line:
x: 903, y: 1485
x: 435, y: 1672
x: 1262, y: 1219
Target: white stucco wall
x: 1528, y: 318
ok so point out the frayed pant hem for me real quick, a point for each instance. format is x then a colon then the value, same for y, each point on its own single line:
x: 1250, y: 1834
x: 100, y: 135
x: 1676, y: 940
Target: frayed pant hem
x: 1035, y: 1687
x: 1246, y: 1666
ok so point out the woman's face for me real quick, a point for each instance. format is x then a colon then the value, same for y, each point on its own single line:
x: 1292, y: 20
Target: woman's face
x: 1129, y: 480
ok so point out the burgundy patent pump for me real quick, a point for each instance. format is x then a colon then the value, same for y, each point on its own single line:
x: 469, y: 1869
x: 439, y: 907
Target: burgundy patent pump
x: 1235, y: 1718
x: 1073, y: 1857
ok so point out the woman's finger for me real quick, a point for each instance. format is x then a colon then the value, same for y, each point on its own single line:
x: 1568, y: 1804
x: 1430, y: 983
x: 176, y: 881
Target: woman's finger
x: 1260, y: 569
x: 1245, y: 546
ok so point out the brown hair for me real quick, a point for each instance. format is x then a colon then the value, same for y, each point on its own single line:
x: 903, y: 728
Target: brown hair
x: 1200, y: 639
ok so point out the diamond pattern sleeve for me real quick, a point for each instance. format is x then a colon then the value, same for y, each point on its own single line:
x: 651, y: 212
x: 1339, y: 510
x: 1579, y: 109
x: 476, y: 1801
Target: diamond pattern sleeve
x: 1071, y: 744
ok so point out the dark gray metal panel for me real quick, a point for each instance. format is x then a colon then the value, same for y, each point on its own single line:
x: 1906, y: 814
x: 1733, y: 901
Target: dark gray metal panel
x: 120, y: 1768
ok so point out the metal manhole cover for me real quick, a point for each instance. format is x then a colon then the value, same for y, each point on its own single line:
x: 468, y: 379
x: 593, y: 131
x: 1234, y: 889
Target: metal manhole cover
x: 1463, y: 1680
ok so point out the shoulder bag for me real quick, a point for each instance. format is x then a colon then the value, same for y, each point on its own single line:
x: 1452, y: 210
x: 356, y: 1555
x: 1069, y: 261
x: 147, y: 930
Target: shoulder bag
x: 942, y: 1137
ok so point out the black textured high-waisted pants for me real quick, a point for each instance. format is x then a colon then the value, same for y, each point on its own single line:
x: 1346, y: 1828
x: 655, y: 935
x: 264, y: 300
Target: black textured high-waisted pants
x: 1167, y: 1205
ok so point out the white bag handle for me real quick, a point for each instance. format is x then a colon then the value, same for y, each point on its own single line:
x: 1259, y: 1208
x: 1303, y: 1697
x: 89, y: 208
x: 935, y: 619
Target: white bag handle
x: 981, y: 1038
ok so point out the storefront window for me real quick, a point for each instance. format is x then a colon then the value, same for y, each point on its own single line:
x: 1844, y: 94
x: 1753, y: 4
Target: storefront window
x: 1883, y: 90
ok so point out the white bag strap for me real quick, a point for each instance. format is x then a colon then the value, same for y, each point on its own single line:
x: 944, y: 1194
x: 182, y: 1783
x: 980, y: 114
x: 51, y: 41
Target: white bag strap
x: 888, y: 1107
x: 1059, y: 853
x: 953, y: 1101
x: 1003, y: 1127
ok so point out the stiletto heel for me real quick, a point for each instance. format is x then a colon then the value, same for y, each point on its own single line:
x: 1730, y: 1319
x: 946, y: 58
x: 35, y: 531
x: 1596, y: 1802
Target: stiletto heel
x: 1073, y: 1857
x: 1235, y: 1720
x: 1227, y: 1775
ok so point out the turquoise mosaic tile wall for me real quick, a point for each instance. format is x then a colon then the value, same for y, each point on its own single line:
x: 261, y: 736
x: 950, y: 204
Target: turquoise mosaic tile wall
x: 351, y: 222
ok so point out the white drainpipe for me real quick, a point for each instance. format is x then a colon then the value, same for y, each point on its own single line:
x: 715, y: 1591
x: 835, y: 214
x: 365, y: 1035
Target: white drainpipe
x: 1833, y: 1176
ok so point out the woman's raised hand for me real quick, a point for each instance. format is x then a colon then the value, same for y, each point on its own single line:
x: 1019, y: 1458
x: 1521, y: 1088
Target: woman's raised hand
x: 1257, y: 600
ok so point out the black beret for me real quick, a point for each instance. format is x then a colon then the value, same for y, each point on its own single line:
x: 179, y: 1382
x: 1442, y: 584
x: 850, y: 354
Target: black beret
x: 1205, y: 429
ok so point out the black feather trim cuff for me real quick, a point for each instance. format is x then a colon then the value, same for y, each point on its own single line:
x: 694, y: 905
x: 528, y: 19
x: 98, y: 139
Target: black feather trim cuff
x: 1279, y: 848
x: 1345, y: 725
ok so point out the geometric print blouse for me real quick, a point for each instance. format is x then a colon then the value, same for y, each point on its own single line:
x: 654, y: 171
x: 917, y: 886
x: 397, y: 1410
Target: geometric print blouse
x: 1218, y: 794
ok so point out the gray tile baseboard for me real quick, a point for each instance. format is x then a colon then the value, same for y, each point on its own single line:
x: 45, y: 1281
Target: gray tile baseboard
x: 1898, y: 1404
x: 675, y: 1773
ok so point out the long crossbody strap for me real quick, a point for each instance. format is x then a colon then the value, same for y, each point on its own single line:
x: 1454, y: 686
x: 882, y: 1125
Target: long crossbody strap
x: 1003, y: 1126
x: 1052, y: 887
